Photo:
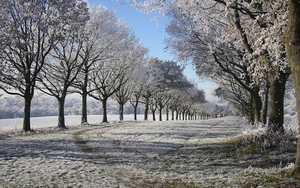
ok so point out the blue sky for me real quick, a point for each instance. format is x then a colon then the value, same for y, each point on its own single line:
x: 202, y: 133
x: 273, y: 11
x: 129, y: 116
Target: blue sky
x: 151, y: 35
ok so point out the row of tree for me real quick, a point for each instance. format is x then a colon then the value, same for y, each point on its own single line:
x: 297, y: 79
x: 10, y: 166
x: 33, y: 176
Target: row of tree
x: 249, y: 47
x: 12, y: 107
x: 63, y: 47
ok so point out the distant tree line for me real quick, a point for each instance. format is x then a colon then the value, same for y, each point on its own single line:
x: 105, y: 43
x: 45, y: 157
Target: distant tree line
x: 12, y: 107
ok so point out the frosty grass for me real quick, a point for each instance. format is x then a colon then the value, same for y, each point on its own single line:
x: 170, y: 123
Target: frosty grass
x: 133, y: 154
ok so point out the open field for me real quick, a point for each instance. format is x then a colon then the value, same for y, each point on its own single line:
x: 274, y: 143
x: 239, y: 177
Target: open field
x: 140, y: 154
x: 51, y: 121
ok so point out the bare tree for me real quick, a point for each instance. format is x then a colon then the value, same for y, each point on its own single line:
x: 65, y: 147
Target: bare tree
x: 61, y: 70
x: 100, y: 39
x: 123, y: 95
x: 114, y: 72
x: 29, y: 31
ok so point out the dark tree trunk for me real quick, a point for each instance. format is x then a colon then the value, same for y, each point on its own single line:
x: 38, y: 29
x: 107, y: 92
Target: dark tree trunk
x: 160, y: 114
x: 153, y: 115
x: 292, y: 44
x: 264, y: 111
x: 257, y: 105
x: 172, y: 115
x: 84, y: 108
x: 121, y: 111
x: 27, y: 109
x: 250, y: 110
x: 134, y: 113
x: 84, y: 95
x: 61, y: 113
x: 277, y: 90
x: 146, y: 110
x: 135, y: 105
x: 104, y: 110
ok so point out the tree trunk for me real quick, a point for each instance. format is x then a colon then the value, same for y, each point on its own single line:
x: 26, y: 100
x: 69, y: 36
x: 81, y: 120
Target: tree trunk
x: 61, y: 113
x: 134, y: 112
x: 172, y: 115
x: 250, y: 109
x: 84, y: 108
x: 264, y: 111
x: 153, y: 115
x: 27, y: 109
x: 277, y: 90
x: 257, y: 105
x: 104, y: 110
x: 84, y: 95
x: 292, y: 44
x: 160, y: 114
x: 146, y: 110
x: 121, y: 111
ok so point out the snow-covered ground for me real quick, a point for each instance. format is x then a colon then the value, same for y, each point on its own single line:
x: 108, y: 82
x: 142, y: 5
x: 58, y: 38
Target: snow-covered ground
x: 129, y: 154
x: 51, y: 121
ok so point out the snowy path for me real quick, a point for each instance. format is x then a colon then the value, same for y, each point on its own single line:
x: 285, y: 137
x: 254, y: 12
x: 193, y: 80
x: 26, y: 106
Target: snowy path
x: 147, y: 153
x: 129, y: 154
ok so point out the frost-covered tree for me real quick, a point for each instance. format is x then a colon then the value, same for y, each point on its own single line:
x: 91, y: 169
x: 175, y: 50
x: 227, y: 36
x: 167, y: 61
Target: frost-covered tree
x: 153, y: 106
x: 101, y: 38
x: 192, y: 97
x: 115, y: 69
x: 151, y: 84
x: 161, y: 99
x: 235, y: 96
x: 175, y: 102
x: 28, y: 32
x: 62, y: 67
x: 261, y: 34
x: 253, y: 27
x: 139, y: 79
x: 123, y: 95
x: 212, y: 58
x: 292, y: 44
x: 162, y: 76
